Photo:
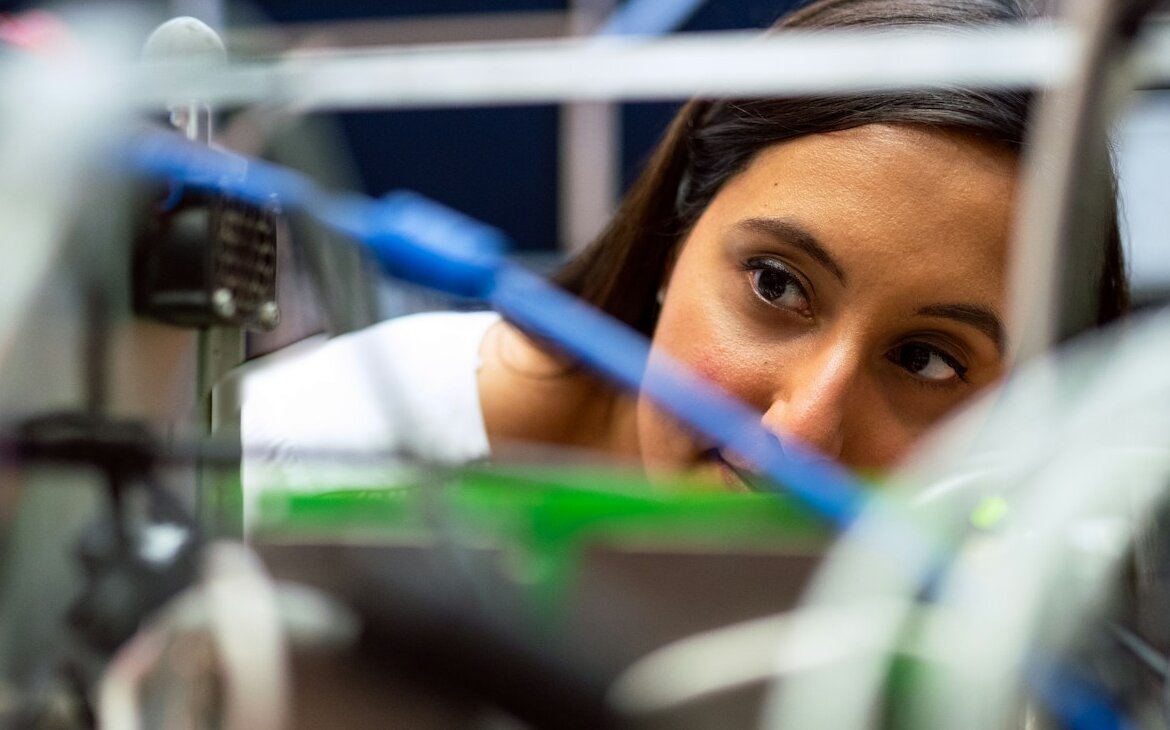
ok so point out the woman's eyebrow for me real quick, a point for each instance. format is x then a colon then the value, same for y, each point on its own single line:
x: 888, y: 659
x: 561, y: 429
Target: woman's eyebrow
x: 786, y: 231
x: 981, y: 318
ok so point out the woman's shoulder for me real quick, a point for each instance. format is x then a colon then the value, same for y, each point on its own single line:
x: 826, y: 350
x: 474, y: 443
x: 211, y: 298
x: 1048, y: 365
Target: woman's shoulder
x: 435, y: 327
x: 438, y: 332
x: 407, y: 385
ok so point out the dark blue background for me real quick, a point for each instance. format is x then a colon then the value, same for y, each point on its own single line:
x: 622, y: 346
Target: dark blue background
x: 496, y: 164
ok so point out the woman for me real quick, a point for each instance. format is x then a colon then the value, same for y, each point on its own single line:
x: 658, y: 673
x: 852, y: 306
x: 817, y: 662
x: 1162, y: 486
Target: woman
x: 838, y: 263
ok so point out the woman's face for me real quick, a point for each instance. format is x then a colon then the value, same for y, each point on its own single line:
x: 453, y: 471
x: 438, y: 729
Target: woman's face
x: 849, y: 285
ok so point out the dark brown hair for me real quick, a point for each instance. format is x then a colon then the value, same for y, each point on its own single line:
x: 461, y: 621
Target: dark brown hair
x: 710, y: 141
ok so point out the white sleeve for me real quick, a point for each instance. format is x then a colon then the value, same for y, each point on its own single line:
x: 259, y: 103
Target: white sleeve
x: 406, y: 385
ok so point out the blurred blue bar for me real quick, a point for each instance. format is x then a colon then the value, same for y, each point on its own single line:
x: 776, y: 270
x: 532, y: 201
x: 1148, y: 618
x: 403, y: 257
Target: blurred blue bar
x: 649, y: 17
x: 1078, y: 702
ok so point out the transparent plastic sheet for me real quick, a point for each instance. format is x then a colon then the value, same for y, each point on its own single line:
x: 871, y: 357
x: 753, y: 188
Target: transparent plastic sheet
x: 1074, y: 451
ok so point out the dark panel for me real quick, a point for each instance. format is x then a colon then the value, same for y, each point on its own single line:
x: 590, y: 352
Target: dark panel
x: 733, y: 14
x: 643, y: 125
x: 495, y: 164
x: 303, y: 10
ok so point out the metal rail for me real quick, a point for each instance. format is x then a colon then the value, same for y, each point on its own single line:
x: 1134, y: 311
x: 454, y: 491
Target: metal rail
x: 675, y: 67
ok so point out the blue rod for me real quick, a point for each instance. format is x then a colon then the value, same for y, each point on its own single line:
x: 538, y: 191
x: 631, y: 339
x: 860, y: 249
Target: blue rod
x: 649, y: 17
x: 1078, y: 702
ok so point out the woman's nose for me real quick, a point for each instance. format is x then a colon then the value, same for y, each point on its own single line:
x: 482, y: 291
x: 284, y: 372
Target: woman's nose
x: 811, y: 401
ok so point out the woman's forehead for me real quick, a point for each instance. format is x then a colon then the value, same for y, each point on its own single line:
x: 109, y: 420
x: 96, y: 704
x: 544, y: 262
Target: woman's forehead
x: 879, y: 152
x: 900, y: 187
x: 906, y: 212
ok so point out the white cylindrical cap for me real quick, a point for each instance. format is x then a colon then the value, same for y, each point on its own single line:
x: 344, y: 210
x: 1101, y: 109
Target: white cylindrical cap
x: 184, y: 39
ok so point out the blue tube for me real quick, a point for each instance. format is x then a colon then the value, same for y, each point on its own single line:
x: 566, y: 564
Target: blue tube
x: 649, y: 17
x: 1077, y: 702
x: 418, y: 240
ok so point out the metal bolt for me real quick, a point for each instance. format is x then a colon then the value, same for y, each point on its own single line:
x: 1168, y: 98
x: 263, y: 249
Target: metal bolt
x: 269, y: 314
x: 224, y: 303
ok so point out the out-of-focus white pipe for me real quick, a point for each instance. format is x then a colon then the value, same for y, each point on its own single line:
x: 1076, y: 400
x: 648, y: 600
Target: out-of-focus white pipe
x: 59, y: 106
x: 1057, y: 251
x: 239, y: 609
x: 695, y: 667
x: 673, y: 67
x: 190, y: 41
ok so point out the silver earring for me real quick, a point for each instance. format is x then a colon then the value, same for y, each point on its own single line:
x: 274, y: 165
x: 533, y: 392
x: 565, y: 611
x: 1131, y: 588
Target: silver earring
x: 661, y: 297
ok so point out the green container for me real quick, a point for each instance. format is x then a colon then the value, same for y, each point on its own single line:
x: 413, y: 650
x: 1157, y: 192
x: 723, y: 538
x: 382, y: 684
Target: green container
x: 541, y: 517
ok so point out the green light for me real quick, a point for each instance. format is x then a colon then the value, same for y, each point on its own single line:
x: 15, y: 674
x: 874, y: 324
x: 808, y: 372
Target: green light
x: 989, y: 512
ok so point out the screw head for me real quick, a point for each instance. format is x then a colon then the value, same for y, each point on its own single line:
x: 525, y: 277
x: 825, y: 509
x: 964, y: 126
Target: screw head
x: 224, y: 303
x: 269, y: 314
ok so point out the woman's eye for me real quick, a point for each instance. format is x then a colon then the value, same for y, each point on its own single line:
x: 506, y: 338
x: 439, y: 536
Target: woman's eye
x: 927, y: 362
x: 778, y: 286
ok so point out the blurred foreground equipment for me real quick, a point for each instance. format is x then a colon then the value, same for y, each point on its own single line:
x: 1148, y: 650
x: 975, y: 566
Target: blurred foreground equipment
x: 1017, y: 575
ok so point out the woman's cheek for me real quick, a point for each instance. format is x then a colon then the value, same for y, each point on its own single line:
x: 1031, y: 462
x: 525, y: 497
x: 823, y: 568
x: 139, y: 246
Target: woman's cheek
x: 712, y: 338
x: 700, y: 333
x: 666, y: 446
x: 748, y: 371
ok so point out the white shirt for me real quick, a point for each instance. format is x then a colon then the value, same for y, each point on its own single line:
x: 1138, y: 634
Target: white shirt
x: 406, y: 385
